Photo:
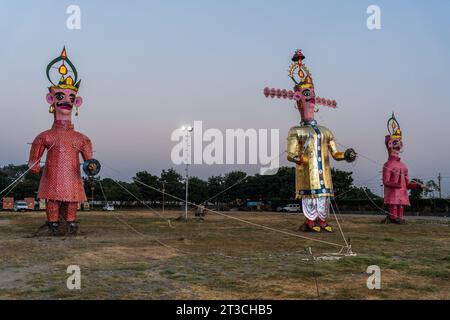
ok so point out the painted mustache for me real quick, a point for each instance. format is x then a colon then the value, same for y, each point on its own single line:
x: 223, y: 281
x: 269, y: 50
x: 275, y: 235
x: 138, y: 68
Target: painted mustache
x: 64, y: 105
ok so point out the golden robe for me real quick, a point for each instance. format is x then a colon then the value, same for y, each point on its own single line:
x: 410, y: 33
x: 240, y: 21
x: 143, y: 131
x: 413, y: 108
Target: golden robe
x: 313, y: 176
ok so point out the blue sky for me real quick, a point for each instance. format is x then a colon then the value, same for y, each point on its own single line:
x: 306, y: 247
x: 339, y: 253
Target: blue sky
x: 150, y: 66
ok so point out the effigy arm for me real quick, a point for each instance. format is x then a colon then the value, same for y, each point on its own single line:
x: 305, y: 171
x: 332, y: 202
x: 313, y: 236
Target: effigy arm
x: 335, y: 153
x: 87, y: 150
x: 293, y: 149
x: 37, y: 150
x: 390, y: 179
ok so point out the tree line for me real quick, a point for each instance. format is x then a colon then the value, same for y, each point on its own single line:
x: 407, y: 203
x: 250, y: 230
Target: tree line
x: 235, y: 187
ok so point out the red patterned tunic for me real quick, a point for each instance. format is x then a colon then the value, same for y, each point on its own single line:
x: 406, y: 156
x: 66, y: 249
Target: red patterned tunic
x: 61, y: 179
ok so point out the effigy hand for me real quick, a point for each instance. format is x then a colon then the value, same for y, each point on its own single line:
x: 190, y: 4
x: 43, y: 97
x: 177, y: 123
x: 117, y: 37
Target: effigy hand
x: 350, y: 155
x: 417, y: 185
x: 91, y: 167
x: 299, y: 160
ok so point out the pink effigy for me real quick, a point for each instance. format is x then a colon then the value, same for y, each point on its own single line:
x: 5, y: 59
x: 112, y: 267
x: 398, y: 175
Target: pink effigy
x: 61, y: 184
x: 395, y: 175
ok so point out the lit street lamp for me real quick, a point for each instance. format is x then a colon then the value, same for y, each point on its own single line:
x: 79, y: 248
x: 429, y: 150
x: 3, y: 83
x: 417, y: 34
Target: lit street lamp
x: 187, y: 130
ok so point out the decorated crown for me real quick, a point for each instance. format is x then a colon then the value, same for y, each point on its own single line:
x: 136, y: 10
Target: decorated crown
x: 394, y: 127
x: 65, y: 81
x: 304, y: 80
x: 299, y: 73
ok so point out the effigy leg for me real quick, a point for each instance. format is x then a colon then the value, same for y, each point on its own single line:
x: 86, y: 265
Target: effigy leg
x: 323, y: 208
x: 70, y: 215
x: 401, y: 214
x: 311, y: 213
x: 53, y: 210
x: 393, y: 213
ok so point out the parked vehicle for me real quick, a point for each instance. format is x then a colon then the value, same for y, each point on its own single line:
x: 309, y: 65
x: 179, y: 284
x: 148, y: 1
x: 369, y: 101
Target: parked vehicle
x: 292, y: 208
x: 21, y: 206
x: 108, y: 207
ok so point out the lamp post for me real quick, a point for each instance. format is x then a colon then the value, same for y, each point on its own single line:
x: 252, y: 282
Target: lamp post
x: 187, y: 130
x: 163, y: 194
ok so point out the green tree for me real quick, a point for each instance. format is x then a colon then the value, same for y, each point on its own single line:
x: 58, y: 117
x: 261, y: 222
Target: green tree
x: 26, y: 187
x: 216, y: 185
x: 233, y: 181
x: 278, y: 186
x: 174, y: 184
x: 110, y: 189
x: 286, y: 182
x: 358, y: 193
x: 416, y: 194
x: 3, y: 179
x: 239, y: 187
x: 198, y: 190
x: 431, y: 188
x: 342, y: 183
x: 113, y: 190
x: 148, y: 194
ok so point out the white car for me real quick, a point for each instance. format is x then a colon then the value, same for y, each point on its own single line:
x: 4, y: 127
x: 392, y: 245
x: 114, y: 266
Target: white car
x: 292, y: 208
x: 108, y: 207
x: 20, y: 206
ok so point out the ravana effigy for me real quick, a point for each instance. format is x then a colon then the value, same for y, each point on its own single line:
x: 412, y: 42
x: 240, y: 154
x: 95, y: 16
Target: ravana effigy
x: 61, y: 185
x: 395, y: 175
x: 309, y: 146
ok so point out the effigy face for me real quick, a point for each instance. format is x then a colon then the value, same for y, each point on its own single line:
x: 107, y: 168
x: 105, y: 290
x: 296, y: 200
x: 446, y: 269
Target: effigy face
x: 394, y: 145
x: 63, y: 100
x: 307, y: 103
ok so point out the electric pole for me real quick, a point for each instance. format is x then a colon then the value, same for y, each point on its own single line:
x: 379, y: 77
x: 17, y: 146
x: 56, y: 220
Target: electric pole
x: 439, y: 185
x: 163, y: 194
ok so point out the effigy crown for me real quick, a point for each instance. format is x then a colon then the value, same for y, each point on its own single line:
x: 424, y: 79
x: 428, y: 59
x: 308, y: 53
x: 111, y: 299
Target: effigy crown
x: 64, y: 82
x: 299, y: 73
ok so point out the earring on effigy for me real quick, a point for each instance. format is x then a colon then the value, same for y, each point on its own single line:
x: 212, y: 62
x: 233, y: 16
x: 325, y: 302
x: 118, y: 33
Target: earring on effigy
x: 76, y: 111
x: 51, y: 109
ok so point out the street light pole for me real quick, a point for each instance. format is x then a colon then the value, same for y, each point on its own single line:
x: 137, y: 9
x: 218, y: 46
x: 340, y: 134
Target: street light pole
x: 188, y: 130
x: 187, y: 193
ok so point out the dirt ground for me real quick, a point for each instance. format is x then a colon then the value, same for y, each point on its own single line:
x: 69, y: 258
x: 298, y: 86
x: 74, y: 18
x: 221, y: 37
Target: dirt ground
x: 137, y: 255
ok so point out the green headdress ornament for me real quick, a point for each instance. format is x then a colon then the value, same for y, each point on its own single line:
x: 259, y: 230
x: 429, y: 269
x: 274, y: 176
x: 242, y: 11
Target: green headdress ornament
x: 65, y: 81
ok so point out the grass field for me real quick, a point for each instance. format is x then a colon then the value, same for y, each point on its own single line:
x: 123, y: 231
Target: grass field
x: 136, y: 255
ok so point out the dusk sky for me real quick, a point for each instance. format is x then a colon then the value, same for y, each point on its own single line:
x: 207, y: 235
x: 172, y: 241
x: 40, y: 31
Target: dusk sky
x: 148, y: 67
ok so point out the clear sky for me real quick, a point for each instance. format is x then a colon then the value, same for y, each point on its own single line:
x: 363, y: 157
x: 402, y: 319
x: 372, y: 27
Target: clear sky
x: 150, y: 66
